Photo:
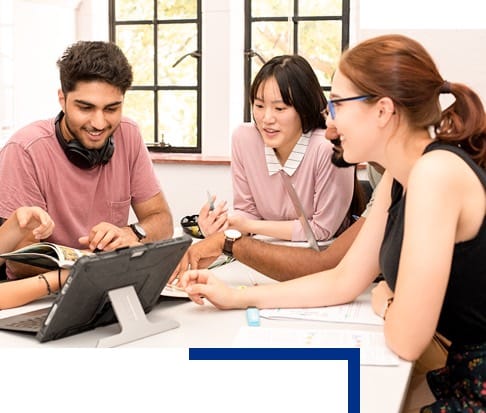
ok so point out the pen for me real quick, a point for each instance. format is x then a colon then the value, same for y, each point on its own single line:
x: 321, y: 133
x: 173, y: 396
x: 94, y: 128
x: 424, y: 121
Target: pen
x: 210, y: 201
x: 219, y: 263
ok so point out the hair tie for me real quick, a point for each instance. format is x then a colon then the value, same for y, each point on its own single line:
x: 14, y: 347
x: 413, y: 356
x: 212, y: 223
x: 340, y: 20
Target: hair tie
x: 445, y: 88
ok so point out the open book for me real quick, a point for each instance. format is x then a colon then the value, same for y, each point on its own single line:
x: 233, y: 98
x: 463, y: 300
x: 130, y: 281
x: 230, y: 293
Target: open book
x: 46, y: 255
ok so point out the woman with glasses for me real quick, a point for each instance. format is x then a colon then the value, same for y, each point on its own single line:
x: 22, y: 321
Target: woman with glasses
x: 19, y: 292
x: 426, y: 231
x: 288, y: 133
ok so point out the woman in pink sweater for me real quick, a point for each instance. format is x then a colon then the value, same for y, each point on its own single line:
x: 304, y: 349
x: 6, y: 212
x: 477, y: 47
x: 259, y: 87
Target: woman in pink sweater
x: 288, y: 133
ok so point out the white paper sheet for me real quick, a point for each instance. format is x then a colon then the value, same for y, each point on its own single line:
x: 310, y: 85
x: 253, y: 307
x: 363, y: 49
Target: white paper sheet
x: 372, y: 344
x: 359, y: 312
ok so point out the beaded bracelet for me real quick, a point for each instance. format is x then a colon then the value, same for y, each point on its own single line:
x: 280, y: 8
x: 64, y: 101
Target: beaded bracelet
x: 42, y: 277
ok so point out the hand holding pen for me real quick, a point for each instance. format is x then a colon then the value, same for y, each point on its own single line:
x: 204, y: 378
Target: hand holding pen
x: 213, y: 218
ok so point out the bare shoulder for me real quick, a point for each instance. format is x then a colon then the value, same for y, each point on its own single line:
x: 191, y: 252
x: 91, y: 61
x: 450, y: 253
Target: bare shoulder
x: 443, y: 169
x: 441, y: 178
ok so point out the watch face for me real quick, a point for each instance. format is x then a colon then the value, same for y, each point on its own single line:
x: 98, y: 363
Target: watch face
x: 232, y: 233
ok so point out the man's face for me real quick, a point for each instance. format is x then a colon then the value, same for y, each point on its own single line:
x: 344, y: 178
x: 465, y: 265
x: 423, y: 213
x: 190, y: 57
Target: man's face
x: 92, y: 112
x: 337, y: 156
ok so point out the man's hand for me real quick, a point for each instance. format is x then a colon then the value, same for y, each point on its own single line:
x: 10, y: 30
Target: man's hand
x: 200, y: 255
x: 108, y: 237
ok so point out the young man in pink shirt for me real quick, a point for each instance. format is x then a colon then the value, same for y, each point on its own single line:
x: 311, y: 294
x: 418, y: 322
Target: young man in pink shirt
x: 89, y: 165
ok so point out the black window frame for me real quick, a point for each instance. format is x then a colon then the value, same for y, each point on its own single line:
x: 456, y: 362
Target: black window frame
x: 296, y: 18
x: 158, y: 144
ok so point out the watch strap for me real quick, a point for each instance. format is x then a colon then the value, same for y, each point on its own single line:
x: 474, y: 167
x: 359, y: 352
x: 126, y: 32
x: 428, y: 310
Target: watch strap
x: 228, y: 247
x: 139, y: 235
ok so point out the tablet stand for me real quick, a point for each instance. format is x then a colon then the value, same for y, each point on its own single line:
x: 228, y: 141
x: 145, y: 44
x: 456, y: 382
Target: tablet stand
x: 133, y: 322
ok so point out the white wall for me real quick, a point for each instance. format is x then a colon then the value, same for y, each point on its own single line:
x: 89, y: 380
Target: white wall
x: 6, y: 69
x: 454, y: 33
x: 185, y: 186
x: 42, y: 29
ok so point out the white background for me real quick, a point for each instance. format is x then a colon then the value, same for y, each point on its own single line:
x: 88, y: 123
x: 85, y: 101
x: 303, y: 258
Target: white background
x: 156, y: 380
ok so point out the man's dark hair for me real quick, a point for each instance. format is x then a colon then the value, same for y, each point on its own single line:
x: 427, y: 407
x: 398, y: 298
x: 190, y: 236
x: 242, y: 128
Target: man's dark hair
x: 94, y: 61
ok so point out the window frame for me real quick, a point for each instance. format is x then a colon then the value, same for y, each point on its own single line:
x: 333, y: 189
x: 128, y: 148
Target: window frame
x: 158, y: 145
x: 296, y: 18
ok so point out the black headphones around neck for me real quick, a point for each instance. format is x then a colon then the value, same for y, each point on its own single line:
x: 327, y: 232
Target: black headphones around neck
x: 79, y: 155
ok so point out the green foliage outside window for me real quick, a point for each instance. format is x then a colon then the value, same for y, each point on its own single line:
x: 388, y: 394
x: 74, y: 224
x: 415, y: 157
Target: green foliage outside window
x: 164, y: 98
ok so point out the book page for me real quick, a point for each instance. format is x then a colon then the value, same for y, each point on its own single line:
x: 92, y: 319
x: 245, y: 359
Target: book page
x: 171, y: 290
x: 69, y: 254
x: 373, y: 350
x: 46, y: 255
x: 359, y: 312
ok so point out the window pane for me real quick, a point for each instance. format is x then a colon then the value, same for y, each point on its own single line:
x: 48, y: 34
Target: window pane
x: 139, y: 106
x: 256, y: 65
x: 176, y: 9
x: 318, y: 30
x: 320, y: 44
x: 271, y: 8
x: 175, y: 41
x: 134, y: 10
x: 320, y: 7
x: 137, y: 43
x: 271, y: 39
x: 178, y: 117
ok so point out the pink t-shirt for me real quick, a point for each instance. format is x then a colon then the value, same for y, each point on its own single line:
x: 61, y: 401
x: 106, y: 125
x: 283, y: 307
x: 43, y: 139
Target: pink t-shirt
x: 35, y: 171
x: 324, y: 189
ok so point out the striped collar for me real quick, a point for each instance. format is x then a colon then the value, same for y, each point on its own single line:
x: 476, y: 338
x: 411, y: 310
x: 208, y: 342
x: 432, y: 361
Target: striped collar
x: 294, y: 159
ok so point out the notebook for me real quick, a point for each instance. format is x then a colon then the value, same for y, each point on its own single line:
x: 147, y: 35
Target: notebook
x: 299, y: 209
x: 100, y: 286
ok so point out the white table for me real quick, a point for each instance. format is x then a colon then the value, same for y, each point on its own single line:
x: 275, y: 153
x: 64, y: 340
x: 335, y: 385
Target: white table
x: 382, y: 388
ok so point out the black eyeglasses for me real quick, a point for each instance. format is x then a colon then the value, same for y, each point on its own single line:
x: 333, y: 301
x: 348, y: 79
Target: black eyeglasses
x: 331, y: 102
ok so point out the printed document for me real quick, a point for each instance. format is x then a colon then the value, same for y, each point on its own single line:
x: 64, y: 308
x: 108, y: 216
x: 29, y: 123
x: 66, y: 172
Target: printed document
x: 373, y: 350
x: 359, y: 312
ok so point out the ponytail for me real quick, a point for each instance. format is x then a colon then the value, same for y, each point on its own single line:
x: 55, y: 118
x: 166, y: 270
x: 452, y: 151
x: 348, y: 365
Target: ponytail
x: 464, y: 122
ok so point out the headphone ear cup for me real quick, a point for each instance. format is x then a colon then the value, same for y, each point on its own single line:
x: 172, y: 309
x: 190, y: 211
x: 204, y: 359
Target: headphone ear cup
x: 106, y: 152
x: 80, y: 156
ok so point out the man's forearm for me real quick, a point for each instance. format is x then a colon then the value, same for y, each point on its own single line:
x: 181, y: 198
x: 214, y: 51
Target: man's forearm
x: 277, y: 261
x: 284, y: 263
x: 155, y: 218
x: 158, y: 226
